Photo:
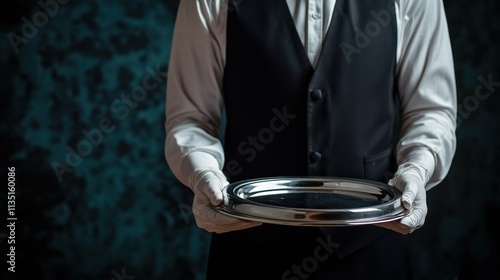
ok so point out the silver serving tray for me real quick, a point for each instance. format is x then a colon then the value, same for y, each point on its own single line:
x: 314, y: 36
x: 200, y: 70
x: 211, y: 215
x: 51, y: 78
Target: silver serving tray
x: 313, y: 201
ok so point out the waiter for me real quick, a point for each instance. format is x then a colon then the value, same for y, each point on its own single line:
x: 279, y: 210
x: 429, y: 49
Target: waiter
x: 344, y: 88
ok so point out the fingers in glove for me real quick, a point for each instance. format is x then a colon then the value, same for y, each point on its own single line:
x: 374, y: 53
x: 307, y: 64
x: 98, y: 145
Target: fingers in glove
x: 416, y: 218
x: 209, y: 183
x: 395, y: 226
x: 410, y: 190
x: 213, y: 221
x: 213, y: 191
x: 237, y: 224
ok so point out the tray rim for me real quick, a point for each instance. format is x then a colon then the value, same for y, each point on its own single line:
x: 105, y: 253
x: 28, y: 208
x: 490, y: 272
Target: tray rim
x: 233, y: 199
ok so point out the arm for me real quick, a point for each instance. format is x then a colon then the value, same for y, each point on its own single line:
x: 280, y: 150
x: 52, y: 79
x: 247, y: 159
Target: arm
x: 193, y: 102
x: 426, y: 80
x: 193, y: 110
x: 427, y: 90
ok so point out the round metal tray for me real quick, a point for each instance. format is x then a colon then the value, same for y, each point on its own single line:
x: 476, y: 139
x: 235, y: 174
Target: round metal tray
x: 313, y: 201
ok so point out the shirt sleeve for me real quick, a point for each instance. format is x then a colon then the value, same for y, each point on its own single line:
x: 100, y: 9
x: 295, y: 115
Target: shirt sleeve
x: 426, y: 81
x: 193, y: 94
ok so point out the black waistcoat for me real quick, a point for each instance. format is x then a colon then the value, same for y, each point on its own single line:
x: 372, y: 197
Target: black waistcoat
x: 285, y: 118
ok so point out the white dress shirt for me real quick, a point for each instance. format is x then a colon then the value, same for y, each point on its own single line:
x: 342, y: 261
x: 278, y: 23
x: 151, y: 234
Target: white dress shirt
x: 425, y: 76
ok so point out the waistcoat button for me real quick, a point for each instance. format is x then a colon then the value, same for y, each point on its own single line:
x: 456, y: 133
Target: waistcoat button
x: 315, y: 156
x: 316, y: 95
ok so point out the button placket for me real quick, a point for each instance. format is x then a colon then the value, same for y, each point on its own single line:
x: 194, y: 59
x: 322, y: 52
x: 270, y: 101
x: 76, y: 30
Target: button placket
x: 314, y: 29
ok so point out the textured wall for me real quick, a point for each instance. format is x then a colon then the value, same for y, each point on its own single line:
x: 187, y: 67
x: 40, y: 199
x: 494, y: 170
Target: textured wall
x: 82, y: 95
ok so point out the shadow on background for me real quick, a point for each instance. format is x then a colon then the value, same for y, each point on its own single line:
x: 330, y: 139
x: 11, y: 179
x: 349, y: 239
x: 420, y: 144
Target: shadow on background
x: 83, y: 85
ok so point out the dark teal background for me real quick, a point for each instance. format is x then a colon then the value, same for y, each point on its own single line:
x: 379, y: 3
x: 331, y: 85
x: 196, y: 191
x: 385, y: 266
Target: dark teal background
x: 120, y: 213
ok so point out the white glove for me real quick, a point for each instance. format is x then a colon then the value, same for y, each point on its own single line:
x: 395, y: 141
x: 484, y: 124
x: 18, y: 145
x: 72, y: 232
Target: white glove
x: 207, y: 185
x: 411, y: 179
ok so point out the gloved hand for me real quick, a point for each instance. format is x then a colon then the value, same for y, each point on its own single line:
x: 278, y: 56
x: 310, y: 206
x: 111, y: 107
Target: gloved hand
x: 207, y: 185
x: 410, y: 179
